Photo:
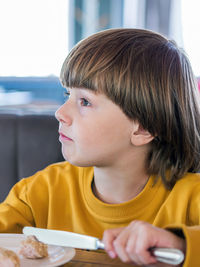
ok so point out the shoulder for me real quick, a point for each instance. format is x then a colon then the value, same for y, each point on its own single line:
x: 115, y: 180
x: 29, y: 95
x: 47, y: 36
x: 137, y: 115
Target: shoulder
x: 59, y: 168
x: 56, y: 180
x: 186, y: 191
x: 57, y: 174
x: 189, y: 182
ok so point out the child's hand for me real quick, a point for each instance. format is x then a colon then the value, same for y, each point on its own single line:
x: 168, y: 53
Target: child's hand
x: 132, y: 243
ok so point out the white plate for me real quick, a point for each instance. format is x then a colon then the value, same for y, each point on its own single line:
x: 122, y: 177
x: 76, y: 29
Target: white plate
x: 57, y: 255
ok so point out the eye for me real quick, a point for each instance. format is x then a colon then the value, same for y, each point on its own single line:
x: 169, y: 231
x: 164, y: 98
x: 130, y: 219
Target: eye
x: 66, y: 95
x: 84, y: 102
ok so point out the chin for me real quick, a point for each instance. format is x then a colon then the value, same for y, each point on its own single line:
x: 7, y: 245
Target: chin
x: 80, y: 163
x: 77, y: 162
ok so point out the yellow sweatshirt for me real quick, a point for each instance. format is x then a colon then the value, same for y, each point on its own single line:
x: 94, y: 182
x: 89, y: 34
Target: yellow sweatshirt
x: 60, y: 197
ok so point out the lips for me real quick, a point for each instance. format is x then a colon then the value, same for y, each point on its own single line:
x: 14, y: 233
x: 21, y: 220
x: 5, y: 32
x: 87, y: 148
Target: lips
x: 64, y: 137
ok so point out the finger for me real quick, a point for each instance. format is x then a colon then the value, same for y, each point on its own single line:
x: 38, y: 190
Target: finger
x: 145, y: 257
x: 138, y: 251
x: 120, y: 245
x: 120, y: 250
x: 108, y: 237
x: 131, y: 252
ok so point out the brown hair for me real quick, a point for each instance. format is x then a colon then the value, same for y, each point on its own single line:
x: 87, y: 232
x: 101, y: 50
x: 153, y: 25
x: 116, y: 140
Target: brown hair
x: 151, y: 79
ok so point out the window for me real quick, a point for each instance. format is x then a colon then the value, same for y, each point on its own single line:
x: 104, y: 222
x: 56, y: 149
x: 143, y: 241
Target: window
x: 37, y: 35
x: 190, y: 31
x: 33, y: 37
x: 34, y: 43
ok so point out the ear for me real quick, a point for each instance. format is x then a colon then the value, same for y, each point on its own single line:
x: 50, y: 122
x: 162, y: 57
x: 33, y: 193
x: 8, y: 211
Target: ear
x: 139, y: 136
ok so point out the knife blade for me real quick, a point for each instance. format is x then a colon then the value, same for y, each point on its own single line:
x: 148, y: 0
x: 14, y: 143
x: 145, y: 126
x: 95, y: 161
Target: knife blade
x: 69, y: 239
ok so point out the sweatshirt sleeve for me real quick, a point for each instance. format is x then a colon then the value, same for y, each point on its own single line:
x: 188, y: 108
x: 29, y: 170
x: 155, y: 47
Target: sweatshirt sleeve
x: 190, y: 231
x: 192, y: 236
x: 15, y: 212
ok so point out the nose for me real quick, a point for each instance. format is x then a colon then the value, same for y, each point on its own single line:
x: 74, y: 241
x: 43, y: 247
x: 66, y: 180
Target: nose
x: 62, y: 116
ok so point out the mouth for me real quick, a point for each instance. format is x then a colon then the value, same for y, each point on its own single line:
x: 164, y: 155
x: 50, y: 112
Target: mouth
x: 64, y: 137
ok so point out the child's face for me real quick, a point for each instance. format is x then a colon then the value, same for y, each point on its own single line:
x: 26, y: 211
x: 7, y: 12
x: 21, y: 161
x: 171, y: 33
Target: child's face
x: 93, y: 130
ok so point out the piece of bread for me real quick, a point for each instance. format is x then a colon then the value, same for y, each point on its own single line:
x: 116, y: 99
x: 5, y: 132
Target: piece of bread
x: 31, y: 248
x: 8, y: 258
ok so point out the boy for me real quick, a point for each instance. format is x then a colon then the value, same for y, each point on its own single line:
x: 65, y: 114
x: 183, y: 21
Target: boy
x: 133, y: 114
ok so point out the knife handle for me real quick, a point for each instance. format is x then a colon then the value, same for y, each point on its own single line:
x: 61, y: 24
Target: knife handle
x: 166, y: 255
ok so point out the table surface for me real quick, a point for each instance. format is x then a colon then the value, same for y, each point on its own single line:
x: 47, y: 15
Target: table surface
x: 85, y: 258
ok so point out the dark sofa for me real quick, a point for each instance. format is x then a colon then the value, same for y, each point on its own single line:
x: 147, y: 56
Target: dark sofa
x: 28, y: 143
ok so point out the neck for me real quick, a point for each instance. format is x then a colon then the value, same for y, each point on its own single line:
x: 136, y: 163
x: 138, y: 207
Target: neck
x: 119, y: 184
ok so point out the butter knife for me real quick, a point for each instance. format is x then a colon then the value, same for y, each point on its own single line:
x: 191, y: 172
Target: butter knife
x: 69, y: 239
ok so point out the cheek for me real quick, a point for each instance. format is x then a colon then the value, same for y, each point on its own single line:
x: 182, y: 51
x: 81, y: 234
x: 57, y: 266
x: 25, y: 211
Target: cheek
x: 103, y: 137
x: 102, y: 133
x: 90, y: 138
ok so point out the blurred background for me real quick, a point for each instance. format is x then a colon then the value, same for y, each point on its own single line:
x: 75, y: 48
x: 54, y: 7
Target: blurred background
x: 36, y: 36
